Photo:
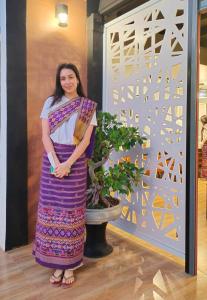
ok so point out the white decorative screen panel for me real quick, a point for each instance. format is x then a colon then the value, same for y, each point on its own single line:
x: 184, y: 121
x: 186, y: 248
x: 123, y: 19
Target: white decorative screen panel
x: 145, y: 84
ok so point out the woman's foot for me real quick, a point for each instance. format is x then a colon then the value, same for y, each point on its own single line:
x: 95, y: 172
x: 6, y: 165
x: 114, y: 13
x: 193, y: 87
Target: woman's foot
x: 56, y: 278
x: 68, y: 279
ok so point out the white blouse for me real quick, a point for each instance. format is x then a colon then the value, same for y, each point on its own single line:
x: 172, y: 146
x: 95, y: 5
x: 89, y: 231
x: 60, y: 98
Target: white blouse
x: 64, y: 133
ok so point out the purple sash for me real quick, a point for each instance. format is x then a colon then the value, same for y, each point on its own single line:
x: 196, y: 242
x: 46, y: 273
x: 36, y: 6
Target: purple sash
x: 85, y: 108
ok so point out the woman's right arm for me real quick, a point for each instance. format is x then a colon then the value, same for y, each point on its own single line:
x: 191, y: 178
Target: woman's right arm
x: 46, y: 140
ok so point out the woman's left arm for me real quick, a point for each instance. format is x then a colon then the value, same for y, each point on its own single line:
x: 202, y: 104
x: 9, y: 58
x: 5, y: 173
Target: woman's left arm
x: 79, y: 150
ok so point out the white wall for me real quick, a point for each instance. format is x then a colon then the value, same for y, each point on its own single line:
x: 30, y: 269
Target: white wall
x: 3, y: 123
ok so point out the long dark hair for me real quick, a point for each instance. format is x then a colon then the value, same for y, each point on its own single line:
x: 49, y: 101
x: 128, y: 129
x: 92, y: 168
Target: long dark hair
x: 59, y: 92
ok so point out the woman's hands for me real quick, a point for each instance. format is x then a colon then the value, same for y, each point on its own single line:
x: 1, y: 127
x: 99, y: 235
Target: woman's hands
x: 61, y: 170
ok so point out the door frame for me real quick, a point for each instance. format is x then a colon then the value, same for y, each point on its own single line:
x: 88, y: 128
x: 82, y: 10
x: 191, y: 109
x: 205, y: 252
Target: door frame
x: 3, y: 122
x: 192, y: 142
x: 191, y: 153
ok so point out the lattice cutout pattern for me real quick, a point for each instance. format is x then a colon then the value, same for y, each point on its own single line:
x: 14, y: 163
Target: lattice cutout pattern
x: 146, y: 78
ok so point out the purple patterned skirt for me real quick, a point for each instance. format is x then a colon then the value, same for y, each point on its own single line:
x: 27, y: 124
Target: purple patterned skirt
x: 59, y: 239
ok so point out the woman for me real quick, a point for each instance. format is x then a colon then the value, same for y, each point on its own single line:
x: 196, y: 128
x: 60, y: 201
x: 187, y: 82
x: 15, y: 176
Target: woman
x: 68, y: 119
x: 204, y: 146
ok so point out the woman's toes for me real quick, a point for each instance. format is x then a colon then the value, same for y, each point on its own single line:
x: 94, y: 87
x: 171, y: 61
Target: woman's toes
x: 56, y: 276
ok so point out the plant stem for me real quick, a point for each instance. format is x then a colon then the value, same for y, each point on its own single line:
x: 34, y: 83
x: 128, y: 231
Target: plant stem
x: 101, y: 162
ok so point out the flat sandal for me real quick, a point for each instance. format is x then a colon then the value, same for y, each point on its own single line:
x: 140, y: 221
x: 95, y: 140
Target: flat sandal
x: 57, y: 279
x: 69, y: 284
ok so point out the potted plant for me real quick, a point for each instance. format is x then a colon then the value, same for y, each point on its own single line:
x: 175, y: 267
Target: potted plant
x: 120, y: 178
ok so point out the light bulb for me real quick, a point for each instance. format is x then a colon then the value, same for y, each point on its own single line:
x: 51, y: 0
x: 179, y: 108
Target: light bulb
x: 61, y: 14
x: 62, y: 19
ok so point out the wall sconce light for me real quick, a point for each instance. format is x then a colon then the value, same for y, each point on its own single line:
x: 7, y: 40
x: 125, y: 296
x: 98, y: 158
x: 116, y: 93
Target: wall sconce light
x: 61, y: 13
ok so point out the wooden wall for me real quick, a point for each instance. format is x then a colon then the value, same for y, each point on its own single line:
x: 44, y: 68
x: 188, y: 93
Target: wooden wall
x: 47, y: 46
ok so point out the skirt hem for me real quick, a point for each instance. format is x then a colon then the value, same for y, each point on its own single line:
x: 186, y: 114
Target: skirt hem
x: 57, y: 266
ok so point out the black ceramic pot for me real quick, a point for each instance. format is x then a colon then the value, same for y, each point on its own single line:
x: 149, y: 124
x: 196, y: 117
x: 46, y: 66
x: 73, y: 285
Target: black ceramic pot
x: 96, y: 245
